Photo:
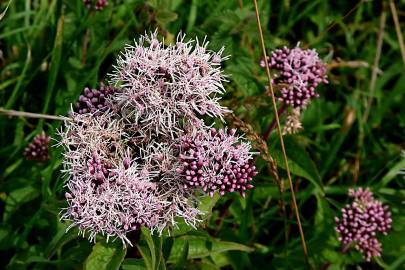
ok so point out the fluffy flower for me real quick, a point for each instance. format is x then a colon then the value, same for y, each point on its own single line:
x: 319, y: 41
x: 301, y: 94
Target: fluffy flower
x: 113, y: 188
x: 299, y: 73
x: 38, y: 149
x: 114, y: 206
x: 361, y: 221
x: 216, y: 160
x: 126, y: 150
x: 163, y: 85
x: 163, y: 159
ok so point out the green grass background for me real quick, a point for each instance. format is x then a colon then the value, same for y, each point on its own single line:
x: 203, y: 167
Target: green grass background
x: 51, y: 49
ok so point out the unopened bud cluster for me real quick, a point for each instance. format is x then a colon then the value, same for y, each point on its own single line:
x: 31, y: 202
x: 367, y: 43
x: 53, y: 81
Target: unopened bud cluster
x: 38, y: 148
x: 216, y: 161
x: 140, y: 154
x: 94, y: 100
x: 298, y: 73
x: 361, y: 221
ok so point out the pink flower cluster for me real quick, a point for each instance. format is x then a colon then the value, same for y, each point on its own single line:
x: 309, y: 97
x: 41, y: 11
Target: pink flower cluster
x: 216, y: 161
x: 94, y: 100
x: 130, y: 152
x: 38, y: 148
x: 361, y: 221
x: 97, y: 4
x: 299, y: 73
x: 165, y: 84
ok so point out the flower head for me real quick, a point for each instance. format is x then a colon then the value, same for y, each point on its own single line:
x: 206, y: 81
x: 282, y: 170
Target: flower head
x: 38, y: 148
x: 361, y: 221
x: 163, y: 85
x: 114, y: 188
x: 114, y: 206
x: 94, y: 100
x: 300, y: 71
x: 216, y: 160
x: 126, y: 150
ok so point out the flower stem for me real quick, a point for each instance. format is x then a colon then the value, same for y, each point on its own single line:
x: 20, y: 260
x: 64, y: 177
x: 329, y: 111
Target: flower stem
x: 274, y: 123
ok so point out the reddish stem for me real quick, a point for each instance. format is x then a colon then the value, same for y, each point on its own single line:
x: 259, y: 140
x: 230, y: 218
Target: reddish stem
x: 272, y: 125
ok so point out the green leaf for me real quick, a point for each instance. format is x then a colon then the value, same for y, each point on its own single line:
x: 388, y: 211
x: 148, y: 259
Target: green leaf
x: 200, y: 246
x: 18, y: 197
x: 167, y: 247
x: 397, y: 263
x: 108, y: 256
x: 14, y: 95
x: 207, y: 203
x: 133, y: 264
x: 153, y: 255
x: 61, y: 237
x: 207, y: 265
x: 145, y: 253
x: 158, y: 242
x: 192, y: 16
x: 392, y: 173
x: 380, y: 262
x: 165, y: 16
x: 180, y: 264
x: 5, y: 10
x: 151, y: 245
x: 13, y: 167
x: 221, y: 259
x: 55, y: 62
x: 7, y: 235
x: 299, y: 161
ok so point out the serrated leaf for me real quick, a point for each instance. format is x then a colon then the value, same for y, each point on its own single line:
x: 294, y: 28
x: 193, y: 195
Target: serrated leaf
x: 206, y: 204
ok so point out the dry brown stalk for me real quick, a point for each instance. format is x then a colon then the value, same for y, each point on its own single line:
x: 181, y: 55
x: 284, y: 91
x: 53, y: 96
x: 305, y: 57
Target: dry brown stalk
x: 273, y: 98
x: 13, y: 113
x: 258, y: 143
x: 398, y: 29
